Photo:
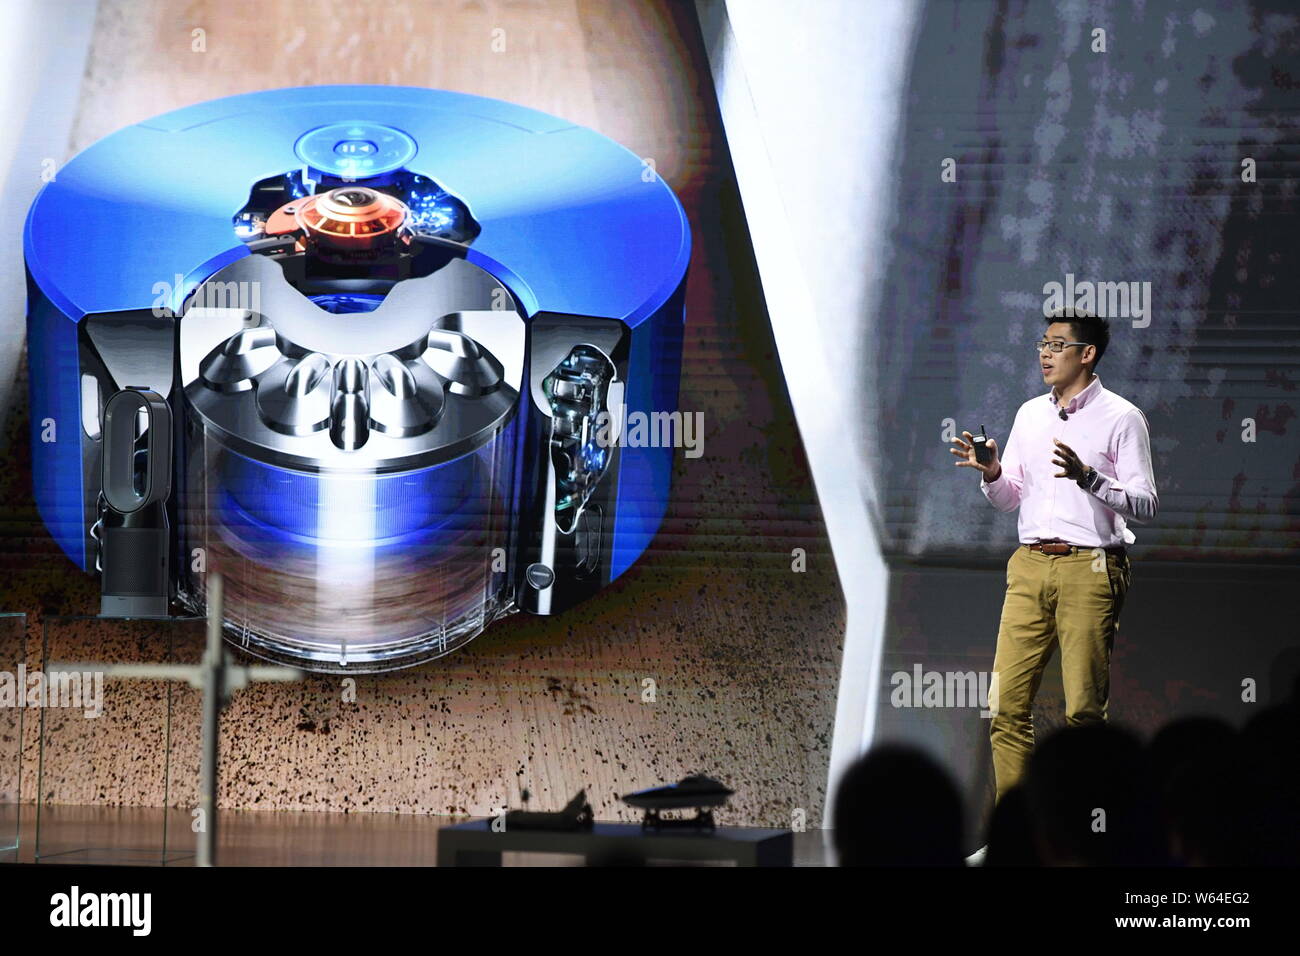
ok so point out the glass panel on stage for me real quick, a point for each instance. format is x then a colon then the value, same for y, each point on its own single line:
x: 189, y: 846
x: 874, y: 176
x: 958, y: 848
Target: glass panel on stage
x: 118, y: 756
x: 13, y: 660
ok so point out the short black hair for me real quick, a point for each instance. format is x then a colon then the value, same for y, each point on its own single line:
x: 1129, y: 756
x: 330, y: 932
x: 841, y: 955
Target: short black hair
x: 1085, y: 327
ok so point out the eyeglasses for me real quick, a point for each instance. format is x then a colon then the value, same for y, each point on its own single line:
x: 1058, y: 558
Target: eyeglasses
x: 1056, y: 347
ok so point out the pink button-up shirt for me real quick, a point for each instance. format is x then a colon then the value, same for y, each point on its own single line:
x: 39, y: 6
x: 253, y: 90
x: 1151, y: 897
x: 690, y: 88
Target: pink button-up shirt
x: 1106, y: 432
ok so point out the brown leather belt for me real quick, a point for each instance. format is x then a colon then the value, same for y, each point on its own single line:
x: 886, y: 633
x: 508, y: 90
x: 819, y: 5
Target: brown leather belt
x: 1064, y: 548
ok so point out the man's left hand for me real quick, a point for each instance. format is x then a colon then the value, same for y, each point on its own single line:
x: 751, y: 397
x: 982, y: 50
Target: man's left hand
x: 1065, y: 459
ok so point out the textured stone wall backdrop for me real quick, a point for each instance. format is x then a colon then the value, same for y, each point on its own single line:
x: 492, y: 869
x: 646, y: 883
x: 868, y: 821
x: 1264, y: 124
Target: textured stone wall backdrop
x: 744, y: 652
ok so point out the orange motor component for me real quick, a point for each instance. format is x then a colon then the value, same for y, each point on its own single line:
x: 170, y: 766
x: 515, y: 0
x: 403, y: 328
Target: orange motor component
x: 351, y: 219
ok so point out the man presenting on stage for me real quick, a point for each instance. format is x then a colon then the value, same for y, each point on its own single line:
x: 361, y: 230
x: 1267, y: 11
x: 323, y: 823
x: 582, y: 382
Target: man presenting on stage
x: 1077, y: 464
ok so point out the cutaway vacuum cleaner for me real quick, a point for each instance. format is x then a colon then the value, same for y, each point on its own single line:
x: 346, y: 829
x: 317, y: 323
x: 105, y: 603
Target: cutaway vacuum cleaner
x: 367, y: 352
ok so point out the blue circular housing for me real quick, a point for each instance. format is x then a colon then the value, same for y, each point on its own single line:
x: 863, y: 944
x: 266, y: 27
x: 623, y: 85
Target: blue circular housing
x: 355, y: 150
x: 569, y: 219
x: 571, y: 222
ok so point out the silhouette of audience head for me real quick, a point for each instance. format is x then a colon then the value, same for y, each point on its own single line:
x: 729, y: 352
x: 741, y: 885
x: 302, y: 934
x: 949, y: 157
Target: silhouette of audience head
x: 1266, y: 787
x: 1200, y: 794
x: 897, y: 807
x: 1229, y: 798
x: 1190, y: 761
x: 1011, y: 839
x: 1090, y: 799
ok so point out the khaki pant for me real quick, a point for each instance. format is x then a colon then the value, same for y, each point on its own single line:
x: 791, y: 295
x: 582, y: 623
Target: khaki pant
x: 1074, y: 600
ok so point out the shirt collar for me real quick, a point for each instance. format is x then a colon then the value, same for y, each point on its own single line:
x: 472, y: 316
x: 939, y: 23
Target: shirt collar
x: 1083, y: 398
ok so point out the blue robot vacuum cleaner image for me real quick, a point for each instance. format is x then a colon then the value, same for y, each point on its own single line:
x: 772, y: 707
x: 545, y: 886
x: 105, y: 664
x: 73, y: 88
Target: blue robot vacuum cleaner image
x: 369, y: 353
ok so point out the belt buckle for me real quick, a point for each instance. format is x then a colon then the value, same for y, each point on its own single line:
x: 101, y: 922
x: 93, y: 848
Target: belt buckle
x: 1057, y: 548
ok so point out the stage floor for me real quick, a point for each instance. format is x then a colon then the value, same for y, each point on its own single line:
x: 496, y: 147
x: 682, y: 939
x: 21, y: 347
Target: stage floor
x: 133, y: 836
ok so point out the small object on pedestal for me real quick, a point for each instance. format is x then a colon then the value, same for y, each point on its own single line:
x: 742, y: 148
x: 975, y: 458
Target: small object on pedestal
x: 696, y: 792
x: 576, y: 815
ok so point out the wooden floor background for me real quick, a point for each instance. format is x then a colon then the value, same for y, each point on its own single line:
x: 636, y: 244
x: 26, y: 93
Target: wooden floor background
x: 744, y: 651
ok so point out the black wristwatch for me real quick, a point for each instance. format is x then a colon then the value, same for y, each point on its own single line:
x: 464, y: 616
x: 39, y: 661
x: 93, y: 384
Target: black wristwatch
x: 1089, y: 480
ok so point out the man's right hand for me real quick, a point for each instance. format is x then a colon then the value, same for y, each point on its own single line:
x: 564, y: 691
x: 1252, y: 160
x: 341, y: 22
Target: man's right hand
x: 965, y: 454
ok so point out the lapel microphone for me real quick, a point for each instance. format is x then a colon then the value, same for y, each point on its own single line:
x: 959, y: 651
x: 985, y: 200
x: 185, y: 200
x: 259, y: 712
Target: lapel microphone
x: 1064, y: 417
